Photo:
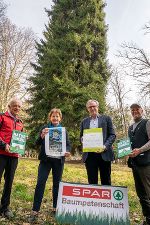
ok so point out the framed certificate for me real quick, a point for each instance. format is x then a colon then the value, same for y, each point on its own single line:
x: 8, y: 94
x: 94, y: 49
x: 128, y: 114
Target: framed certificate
x: 93, y: 140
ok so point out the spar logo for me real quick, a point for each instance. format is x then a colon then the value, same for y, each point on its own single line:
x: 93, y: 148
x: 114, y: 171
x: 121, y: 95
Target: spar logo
x: 86, y: 192
x: 118, y: 195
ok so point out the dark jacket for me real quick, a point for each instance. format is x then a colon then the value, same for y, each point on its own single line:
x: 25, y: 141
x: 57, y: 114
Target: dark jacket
x: 42, y: 156
x: 138, y: 138
x: 7, y: 125
x: 109, y: 136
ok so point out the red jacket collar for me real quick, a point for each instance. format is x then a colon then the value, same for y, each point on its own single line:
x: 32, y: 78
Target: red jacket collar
x: 9, y: 115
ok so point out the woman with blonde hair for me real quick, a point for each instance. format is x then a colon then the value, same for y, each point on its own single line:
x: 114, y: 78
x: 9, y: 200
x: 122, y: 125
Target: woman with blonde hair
x: 47, y: 163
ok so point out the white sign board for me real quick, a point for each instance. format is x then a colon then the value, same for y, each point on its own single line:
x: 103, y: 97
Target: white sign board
x: 92, y: 204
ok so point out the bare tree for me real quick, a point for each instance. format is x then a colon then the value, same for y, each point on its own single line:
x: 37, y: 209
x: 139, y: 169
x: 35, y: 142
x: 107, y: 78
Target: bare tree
x: 145, y: 104
x: 146, y: 28
x: 17, y: 51
x: 2, y: 17
x: 117, y: 90
x: 136, y: 63
x: 2, y: 9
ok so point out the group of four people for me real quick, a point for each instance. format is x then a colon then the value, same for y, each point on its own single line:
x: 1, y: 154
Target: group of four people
x: 139, y: 159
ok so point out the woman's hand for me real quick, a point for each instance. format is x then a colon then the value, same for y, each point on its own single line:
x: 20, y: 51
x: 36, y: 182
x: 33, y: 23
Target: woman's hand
x: 67, y: 154
x: 44, y: 132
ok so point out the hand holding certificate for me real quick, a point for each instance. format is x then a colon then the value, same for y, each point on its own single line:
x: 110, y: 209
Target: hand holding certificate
x: 93, y: 140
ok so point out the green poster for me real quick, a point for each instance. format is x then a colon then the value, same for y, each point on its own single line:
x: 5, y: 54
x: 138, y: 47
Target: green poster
x: 18, y: 142
x: 123, y: 147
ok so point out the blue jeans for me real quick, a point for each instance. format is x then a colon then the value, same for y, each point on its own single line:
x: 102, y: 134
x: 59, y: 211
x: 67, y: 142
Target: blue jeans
x: 43, y: 172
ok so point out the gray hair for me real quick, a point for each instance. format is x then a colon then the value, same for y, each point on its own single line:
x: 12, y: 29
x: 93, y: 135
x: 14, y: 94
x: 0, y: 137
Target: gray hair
x: 92, y: 100
x: 14, y: 100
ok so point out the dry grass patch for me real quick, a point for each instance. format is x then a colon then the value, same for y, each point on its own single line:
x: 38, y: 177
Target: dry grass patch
x: 25, y: 181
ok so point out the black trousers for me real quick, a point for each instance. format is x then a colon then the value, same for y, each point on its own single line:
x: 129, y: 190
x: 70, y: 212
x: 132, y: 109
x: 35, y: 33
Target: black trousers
x: 95, y: 163
x: 142, y: 185
x: 8, y: 165
x: 43, y: 172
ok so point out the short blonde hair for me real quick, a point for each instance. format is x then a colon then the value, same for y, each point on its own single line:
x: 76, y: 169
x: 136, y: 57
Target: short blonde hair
x: 55, y: 110
x: 92, y: 100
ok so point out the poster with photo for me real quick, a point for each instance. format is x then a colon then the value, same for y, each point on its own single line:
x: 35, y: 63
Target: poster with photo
x: 55, y: 142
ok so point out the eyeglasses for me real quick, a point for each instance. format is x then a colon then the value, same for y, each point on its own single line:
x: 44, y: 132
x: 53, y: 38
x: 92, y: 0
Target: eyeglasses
x: 92, y: 106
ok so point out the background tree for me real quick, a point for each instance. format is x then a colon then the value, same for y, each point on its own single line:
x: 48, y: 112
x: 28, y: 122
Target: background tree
x: 2, y: 10
x: 71, y: 66
x: 136, y: 63
x: 116, y: 96
x: 147, y: 28
x: 17, y: 51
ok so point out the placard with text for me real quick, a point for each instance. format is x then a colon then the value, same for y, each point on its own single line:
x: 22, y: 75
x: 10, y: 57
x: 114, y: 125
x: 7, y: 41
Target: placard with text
x: 123, y: 147
x: 82, y: 204
x: 18, y: 142
x: 93, y: 140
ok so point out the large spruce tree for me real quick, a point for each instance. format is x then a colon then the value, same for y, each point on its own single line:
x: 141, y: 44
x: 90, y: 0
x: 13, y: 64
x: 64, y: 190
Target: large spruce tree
x: 71, y: 66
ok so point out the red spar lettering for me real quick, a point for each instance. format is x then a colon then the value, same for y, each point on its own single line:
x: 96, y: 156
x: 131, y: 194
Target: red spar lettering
x: 87, y: 192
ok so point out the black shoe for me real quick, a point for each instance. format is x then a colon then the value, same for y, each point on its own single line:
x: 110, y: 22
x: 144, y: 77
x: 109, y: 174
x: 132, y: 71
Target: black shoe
x: 7, y: 213
x: 53, y: 212
x: 1, y: 212
x: 33, y: 217
x: 144, y: 223
x: 148, y: 220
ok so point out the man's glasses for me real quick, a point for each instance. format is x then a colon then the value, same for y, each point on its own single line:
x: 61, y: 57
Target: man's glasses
x: 92, y: 106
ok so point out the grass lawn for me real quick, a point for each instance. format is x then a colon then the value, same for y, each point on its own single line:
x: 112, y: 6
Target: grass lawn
x: 25, y: 181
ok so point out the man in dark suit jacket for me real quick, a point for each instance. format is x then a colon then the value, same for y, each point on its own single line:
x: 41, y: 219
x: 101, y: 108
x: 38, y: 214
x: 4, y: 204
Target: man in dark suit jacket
x: 95, y: 162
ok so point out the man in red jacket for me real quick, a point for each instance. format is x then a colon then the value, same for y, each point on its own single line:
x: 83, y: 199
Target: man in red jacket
x: 9, y: 121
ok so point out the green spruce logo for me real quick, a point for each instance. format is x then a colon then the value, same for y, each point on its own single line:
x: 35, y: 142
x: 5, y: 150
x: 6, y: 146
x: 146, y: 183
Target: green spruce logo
x: 118, y: 195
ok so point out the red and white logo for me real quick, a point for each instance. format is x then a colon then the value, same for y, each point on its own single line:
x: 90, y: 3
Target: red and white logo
x: 86, y: 192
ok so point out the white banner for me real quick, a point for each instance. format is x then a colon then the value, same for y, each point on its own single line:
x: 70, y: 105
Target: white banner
x: 82, y: 204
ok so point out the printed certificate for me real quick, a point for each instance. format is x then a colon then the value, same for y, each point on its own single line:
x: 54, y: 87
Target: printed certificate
x: 93, y: 140
x: 55, y: 142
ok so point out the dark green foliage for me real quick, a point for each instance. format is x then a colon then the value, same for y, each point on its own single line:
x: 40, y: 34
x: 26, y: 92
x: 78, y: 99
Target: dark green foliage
x: 71, y: 66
